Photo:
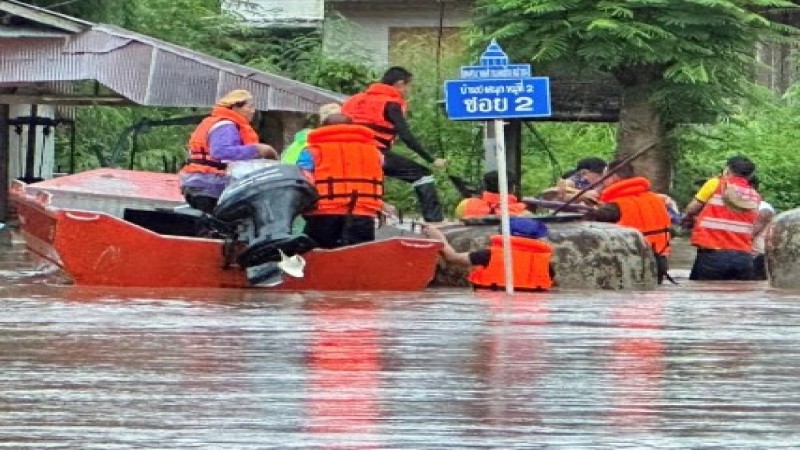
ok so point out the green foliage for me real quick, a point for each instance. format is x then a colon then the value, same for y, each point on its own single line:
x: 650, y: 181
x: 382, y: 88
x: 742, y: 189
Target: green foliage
x: 699, y: 53
x: 766, y: 131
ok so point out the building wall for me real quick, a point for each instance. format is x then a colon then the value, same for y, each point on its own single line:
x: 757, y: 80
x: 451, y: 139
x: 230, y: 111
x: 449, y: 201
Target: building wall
x: 374, y: 22
x: 279, y: 12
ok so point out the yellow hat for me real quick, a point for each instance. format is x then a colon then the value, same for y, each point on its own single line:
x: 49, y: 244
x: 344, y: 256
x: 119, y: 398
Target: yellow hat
x: 329, y: 109
x: 234, y: 97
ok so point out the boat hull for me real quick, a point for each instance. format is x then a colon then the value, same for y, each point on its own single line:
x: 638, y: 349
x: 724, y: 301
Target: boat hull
x: 95, y: 248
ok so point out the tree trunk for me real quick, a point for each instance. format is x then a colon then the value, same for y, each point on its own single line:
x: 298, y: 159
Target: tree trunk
x: 640, y: 124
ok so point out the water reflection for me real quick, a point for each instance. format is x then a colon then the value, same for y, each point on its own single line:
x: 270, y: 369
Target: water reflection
x: 344, y: 366
x: 689, y: 366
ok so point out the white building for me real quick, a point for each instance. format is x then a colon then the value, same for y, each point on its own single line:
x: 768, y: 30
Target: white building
x: 378, y: 25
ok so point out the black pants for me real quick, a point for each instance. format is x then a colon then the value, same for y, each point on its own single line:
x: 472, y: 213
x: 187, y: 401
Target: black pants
x: 759, y: 267
x: 722, y: 265
x: 405, y: 169
x: 332, y: 231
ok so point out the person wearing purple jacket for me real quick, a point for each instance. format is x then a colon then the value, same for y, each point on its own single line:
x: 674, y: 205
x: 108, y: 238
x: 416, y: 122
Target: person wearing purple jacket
x: 225, y: 135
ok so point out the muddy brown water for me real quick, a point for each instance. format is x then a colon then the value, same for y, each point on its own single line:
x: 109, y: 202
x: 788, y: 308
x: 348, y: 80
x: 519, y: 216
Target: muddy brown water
x: 689, y: 366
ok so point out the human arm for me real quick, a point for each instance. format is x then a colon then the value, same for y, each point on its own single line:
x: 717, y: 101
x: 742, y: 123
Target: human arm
x: 765, y: 215
x: 225, y: 144
x: 448, y: 252
x: 305, y: 161
x: 394, y: 114
x: 608, y: 212
x: 698, y: 202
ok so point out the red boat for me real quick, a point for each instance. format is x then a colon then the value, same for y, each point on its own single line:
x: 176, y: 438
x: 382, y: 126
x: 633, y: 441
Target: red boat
x: 97, y: 248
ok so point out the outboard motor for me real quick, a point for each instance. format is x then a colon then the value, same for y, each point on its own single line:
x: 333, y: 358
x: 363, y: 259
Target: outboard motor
x: 263, y: 204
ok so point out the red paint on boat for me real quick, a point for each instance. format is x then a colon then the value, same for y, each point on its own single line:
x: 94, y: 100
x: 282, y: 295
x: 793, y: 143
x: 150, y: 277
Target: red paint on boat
x: 95, y: 248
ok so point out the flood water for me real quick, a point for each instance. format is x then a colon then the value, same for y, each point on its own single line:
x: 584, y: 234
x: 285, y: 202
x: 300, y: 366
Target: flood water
x: 689, y: 366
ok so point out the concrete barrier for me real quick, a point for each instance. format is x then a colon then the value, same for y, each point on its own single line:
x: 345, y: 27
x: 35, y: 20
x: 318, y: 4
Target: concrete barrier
x: 783, y: 250
x: 588, y: 255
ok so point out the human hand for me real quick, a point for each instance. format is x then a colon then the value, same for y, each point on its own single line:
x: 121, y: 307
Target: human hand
x: 440, y: 163
x: 266, y: 151
x: 433, y: 233
x: 591, y: 196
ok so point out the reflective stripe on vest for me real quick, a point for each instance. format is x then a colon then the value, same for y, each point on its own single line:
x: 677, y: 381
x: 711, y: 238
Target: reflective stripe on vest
x: 347, y: 170
x: 720, y: 228
x: 531, y: 265
x: 368, y: 109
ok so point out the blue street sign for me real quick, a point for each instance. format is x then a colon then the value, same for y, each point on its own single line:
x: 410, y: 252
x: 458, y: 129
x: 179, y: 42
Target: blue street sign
x: 498, y: 99
x: 497, y: 90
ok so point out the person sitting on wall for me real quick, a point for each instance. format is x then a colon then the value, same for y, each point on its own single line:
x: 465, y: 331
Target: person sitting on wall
x: 627, y: 200
x: 722, y: 218
x: 586, y: 172
x: 531, y: 257
x: 489, y: 202
x: 344, y: 163
x: 225, y: 135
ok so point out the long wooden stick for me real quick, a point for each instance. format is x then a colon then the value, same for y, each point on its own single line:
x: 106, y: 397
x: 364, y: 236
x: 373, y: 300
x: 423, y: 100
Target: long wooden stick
x: 604, y: 177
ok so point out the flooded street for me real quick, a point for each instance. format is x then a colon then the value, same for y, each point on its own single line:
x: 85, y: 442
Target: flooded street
x: 688, y: 366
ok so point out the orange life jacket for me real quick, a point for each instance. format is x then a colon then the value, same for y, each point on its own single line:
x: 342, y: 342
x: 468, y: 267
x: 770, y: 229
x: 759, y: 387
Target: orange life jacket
x: 347, y: 170
x: 641, y: 209
x: 531, y: 265
x: 367, y: 108
x: 200, y: 159
x: 489, y: 205
x: 720, y: 228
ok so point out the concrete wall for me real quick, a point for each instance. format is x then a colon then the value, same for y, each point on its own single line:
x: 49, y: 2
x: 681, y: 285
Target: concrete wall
x: 372, y: 22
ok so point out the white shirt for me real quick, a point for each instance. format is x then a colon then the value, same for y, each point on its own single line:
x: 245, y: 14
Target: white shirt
x: 759, y: 244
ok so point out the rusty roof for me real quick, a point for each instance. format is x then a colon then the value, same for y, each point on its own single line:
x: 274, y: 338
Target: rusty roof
x: 142, y: 69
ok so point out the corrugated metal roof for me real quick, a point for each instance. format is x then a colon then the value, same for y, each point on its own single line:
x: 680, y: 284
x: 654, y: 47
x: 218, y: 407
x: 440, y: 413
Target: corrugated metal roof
x: 143, y: 69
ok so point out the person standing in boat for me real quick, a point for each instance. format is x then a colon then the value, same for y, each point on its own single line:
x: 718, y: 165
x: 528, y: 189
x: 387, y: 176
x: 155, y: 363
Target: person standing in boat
x: 531, y: 256
x: 722, y: 218
x: 292, y: 152
x: 627, y: 200
x: 344, y: 163
x: 382, y: 107
x: 225, y: 135
x: 489, y: 202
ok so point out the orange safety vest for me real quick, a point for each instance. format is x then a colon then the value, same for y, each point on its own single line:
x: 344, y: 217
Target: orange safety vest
x: 720, y: 228
x: 531, y: 265
x: 347, y: 170
x: 641, y: 209
x: 200, y: 159
x: 368, y: 108
x: 489, y: 205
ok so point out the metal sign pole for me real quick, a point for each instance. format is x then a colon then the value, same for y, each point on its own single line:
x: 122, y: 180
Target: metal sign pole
x: 505, y: 222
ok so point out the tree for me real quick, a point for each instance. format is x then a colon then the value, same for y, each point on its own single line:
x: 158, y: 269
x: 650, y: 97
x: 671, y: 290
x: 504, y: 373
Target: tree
x: 676, y: 61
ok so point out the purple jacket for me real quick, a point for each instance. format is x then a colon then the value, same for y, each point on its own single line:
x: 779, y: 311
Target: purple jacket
x: 225, y: 144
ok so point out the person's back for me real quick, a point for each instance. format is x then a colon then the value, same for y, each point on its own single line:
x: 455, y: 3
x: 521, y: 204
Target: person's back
x: 345, y: 167
x: 722, y: 216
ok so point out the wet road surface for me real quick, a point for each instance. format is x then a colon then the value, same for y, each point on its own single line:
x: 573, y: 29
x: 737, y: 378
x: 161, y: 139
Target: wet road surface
x: 691, y: 366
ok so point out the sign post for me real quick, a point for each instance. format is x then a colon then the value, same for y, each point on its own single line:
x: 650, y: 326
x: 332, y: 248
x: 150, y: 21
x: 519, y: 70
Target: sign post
x: 497, y: 90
